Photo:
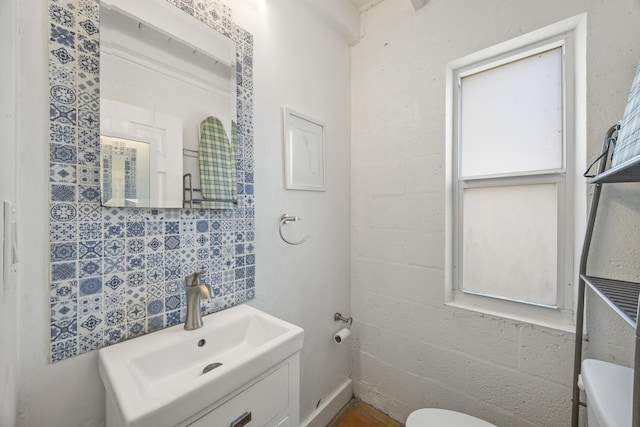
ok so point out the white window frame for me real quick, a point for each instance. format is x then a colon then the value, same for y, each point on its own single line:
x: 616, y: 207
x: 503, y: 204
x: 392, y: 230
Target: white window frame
x: 570, y: 34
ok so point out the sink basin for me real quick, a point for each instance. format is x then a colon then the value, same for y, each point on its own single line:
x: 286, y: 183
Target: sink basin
x: 160, y: 378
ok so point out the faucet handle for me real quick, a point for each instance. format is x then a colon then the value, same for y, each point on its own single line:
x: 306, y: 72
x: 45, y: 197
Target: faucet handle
x: 194, y: 279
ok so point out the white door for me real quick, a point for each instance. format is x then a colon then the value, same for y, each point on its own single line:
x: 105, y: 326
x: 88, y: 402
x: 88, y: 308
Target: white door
x: 163, y: 133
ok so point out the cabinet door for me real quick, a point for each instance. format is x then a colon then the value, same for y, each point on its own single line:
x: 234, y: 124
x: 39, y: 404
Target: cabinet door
x: 263, y: 401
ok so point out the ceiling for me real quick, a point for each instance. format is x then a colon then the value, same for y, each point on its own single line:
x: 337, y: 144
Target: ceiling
x: 361, y: 3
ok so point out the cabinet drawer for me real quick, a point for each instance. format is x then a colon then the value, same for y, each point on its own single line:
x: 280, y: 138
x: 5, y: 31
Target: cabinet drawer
x: 263, y: 400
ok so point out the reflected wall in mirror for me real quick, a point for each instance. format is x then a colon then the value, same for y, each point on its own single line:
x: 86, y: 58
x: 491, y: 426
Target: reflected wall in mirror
x: 162, y: 73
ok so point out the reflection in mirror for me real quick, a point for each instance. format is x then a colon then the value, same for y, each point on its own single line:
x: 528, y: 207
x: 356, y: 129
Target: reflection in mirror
x: 162, y: 74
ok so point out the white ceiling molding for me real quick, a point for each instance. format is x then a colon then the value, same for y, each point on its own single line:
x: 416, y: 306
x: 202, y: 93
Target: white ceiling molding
x: 341, y: 15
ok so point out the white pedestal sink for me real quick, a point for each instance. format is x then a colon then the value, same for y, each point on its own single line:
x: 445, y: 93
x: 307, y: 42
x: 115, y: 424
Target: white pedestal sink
x: 175, y: 377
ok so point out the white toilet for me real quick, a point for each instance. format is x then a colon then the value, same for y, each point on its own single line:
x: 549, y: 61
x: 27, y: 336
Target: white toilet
x: 432, y: 417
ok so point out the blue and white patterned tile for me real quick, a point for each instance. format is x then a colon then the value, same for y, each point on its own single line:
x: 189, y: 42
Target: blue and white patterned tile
x: 65, y: 251
x: 63, y: 232
x: 63, y: 310
x: 63, y: 134
x: 114, y: 334
x: 114, y: 298
x: 172, y: 262
x: 172, y: 272
x: 63, y: 329
x: 153, y: 215
x: 64, y: 349
x: 88, y: 83
x: 115, y: 282
x: 155, y: 275
x: 114, y: 248
x: 62, y: 173
x: 88, y: 138
x: 90, y: 324
x: 63, y: 271
x: 90, y: 268
x: 187, y: 256
x: 155, y: 228
x: 136, y: 329
x: 90, y: 286
x: 60, y: 36
x: 88, y: 157
x: 172, y: 227
x: 172, y: 243
x: 135, y: 246
x: 155, y: 291
x: 88, y: 194
x: 88, y: 118
x: 155, y: 306
x: 174, y: 287
x: 114, y: 230
x: 202, y: 240
x: 62, y: 16
x: 91, y: 304
x: 187, y: 241
x: 90, y: 342
x: 114, y: 317
x: 62, y: 114
x: 62, y: 154
x: 88, y: 249
x: 63, y: 291
x: 135, y: 262
x: 89, y: 8
x: 89, y: 176
x: 136, y: 229
x: 136, y: 310
x: 62, y: 94
x: 61, y: 55
x: 155, y: 260
x: 88, y: 45
x: 173, y: 302
x: 251, y: 259
x: 89, y: 212
x: 155, y: 323
x: 90, y: 231
x: 63, y: 193
x: 173, y: 318
x: 154, y: 244
x: 136, y: 279
x: 172, y: 214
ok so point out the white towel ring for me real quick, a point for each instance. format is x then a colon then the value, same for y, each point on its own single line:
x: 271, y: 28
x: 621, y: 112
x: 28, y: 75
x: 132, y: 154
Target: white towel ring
x: 285, y: 219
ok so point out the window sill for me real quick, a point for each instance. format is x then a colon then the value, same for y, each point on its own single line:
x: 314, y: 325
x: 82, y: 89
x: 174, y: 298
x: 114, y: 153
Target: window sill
x: 547, y: 317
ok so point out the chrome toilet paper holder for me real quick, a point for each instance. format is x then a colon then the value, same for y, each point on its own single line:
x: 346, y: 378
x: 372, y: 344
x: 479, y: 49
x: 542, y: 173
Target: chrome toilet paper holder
x: 340, y: 318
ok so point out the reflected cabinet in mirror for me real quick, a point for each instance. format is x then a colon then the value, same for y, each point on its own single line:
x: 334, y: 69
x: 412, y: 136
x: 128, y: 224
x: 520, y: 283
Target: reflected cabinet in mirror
x: 167, y: 108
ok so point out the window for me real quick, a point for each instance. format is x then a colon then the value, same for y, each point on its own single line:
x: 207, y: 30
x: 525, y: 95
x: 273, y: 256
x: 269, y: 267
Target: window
x: 512, y: 180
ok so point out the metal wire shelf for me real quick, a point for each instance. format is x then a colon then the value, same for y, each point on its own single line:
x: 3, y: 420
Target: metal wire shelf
x: 621, y: 296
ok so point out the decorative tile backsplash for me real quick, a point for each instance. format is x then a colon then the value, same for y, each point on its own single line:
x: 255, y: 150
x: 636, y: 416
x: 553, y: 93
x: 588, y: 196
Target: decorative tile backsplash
x: 118, y: 273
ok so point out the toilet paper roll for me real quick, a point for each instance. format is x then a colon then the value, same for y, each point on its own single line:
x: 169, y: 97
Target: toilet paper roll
x: 341, y: 335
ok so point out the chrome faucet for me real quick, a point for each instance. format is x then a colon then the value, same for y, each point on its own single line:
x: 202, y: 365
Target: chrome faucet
x: 195, y: 291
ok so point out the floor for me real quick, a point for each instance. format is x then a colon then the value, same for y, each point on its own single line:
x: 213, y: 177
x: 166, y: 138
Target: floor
x: 359, y: 414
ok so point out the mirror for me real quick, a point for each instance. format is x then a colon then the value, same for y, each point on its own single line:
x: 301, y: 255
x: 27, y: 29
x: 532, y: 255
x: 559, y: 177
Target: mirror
x: 162, y: 73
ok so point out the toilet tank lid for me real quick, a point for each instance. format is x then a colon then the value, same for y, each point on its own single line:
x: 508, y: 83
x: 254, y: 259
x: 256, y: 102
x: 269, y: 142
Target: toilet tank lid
x: 443, y: 417
x: 609, y: 390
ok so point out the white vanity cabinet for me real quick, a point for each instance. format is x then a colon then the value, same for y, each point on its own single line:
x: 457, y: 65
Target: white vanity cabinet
x: 271, y: 400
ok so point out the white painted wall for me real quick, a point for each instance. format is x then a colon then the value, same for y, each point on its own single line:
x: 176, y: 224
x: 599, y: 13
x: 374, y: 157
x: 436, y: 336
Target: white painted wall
x: 411, y: 350
x: 8, y: 299
x: 298, y: 61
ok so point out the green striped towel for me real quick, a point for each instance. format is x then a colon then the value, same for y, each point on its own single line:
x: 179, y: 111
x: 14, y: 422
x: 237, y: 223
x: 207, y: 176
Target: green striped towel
x: 218, y: 165
x: 628, y: 145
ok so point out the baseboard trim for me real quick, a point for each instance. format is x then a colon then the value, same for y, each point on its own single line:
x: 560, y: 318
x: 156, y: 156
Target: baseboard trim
x: 330, y: 406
